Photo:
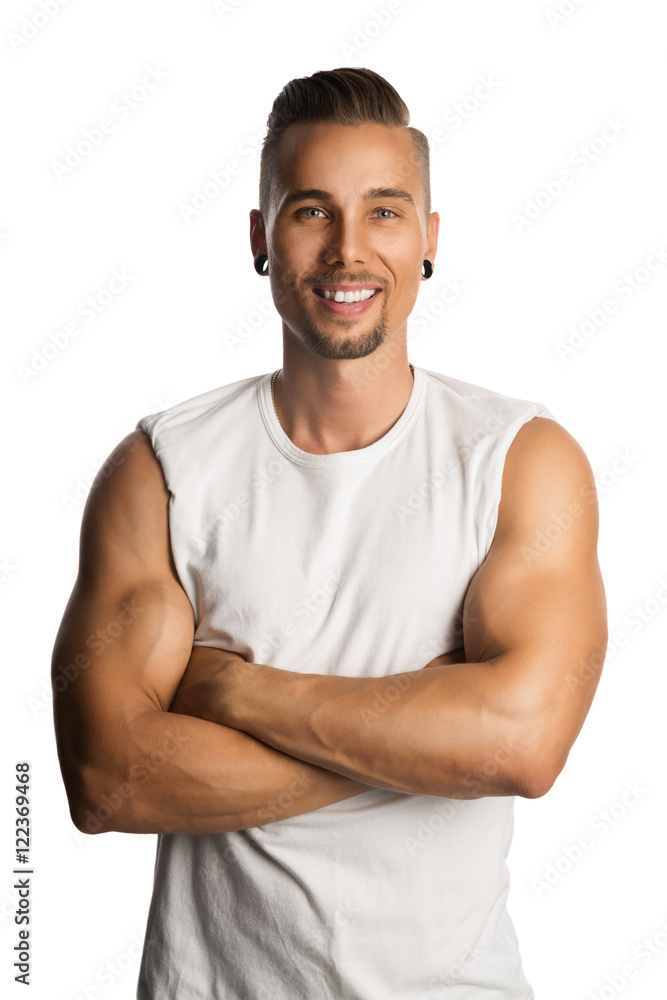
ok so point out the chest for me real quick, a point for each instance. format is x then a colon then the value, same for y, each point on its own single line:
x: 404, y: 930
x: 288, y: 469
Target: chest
x: 358, y: 572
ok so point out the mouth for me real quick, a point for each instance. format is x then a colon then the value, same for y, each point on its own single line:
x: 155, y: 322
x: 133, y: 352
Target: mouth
x: 347, y: 300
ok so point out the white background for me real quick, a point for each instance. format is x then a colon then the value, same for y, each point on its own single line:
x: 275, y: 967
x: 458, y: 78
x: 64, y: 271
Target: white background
x: 166, y: 337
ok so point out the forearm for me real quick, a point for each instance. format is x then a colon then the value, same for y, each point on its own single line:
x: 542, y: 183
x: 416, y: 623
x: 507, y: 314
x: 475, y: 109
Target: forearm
x: 447, y: 730
x: 178, y: 774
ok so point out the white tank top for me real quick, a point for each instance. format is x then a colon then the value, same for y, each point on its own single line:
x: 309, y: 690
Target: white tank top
x: 353, y: 563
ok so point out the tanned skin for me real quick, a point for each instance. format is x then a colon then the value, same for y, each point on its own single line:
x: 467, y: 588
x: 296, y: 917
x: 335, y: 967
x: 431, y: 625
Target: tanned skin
x: 157, y: 736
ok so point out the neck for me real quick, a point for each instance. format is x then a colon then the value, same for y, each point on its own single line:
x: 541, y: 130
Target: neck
x: 327, y: 405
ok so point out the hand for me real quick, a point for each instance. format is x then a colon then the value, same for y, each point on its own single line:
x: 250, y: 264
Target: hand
x: 201, y: 691
x: 454, y: 656
x: 236, y: 680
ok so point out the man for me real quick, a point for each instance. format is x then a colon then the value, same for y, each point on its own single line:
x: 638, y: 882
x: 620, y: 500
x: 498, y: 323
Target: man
x: 280, y: 559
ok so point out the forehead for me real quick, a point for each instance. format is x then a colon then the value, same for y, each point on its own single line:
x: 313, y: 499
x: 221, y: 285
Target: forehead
x: 344, y: 158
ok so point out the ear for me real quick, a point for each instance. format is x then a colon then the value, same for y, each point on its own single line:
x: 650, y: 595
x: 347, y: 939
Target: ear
x: 432, y: 229
x: 257, y: 233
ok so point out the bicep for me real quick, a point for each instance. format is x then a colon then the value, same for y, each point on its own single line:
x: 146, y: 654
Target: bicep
x: 126, y: 634
x: 536, y: 606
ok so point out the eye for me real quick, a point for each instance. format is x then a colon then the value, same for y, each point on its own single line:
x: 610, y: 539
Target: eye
x: 305, y: 212
x: 311, y: 209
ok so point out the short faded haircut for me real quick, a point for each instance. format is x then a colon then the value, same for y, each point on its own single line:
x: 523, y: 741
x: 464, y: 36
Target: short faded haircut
x: 345, y: 96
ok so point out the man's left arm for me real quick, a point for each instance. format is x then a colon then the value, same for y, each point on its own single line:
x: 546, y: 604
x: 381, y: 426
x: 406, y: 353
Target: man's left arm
x: 535, y: 633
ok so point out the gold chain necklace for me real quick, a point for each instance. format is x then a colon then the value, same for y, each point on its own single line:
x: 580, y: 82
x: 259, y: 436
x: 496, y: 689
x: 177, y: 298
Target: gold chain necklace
x: 275, y: 376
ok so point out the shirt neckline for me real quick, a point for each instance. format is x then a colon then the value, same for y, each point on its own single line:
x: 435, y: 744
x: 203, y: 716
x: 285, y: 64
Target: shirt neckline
x: 367, y: 454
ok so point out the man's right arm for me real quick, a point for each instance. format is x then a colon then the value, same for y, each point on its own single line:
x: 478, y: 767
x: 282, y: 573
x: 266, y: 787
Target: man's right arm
x: 128, y: 763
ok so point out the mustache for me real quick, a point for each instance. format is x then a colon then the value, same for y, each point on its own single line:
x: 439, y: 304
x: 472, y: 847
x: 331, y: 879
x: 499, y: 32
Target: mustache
x: 341, y: 278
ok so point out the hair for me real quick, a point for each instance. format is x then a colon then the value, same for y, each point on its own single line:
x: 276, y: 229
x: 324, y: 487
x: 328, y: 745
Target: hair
x: 345, y: 96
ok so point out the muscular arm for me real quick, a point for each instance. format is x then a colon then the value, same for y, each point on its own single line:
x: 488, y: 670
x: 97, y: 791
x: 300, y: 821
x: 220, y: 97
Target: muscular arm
x: 123, y: 645
x: 504, y: 722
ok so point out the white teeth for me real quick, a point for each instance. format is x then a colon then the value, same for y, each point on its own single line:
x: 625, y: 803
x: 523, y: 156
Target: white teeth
x: 360, y: 296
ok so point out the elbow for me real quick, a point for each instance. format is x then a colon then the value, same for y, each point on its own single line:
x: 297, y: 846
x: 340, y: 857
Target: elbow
x: 534, y: 783
x: 95, y: 804
x: 82, y: 807
x: 538, y: 761
x: 84, y: 820
x: 102, y: 786
x: 538, y: 775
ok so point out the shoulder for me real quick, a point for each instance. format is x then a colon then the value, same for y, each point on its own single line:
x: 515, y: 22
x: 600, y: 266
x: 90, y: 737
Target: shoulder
x: 548, y: 486
x: 125, y: 519
x: 197, y: 412
x: 481, y: 416
x: 131, y: 469
x: 544, y: 451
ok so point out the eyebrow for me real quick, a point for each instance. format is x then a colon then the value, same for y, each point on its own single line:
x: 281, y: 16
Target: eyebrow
x: 316, y: 194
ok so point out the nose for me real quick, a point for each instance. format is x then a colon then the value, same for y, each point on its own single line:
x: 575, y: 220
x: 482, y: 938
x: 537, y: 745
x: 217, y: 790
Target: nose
x: 346, y: 243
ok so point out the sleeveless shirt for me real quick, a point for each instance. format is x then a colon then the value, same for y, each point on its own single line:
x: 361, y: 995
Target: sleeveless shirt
x: 353, y: 563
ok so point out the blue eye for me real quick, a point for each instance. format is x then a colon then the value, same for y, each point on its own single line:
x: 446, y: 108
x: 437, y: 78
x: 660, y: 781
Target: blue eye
x: 311, y: 208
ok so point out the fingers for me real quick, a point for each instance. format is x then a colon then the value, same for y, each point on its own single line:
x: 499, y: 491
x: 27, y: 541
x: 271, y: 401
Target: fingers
x: 454, y: 656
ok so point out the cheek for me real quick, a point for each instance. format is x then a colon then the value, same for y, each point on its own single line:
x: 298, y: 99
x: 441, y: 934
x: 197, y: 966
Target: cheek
x: 291, y: 263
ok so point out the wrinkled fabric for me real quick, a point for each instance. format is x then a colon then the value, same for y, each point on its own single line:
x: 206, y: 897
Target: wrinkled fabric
x: 354, y: 563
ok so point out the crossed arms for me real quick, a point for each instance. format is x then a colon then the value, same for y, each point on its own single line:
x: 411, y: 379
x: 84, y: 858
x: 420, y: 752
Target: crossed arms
x: 155, y: 736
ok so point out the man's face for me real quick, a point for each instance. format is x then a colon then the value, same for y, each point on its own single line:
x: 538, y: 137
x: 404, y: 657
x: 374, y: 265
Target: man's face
x: 347, y: 210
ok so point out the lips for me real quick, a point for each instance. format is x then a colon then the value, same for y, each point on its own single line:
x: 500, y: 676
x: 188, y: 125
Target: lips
x: 360, y: 295
x: 365, y: 296
x: 340, y: 286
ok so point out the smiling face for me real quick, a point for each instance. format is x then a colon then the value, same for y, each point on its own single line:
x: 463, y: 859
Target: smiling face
x: 346, y: 235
